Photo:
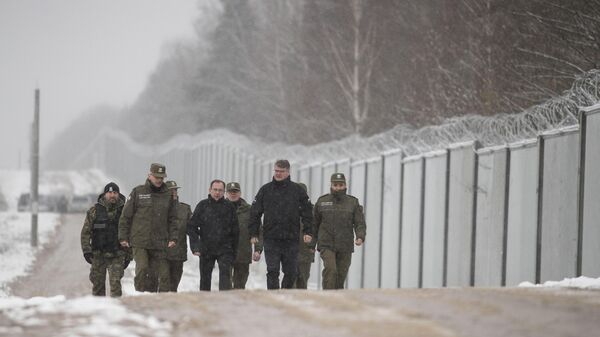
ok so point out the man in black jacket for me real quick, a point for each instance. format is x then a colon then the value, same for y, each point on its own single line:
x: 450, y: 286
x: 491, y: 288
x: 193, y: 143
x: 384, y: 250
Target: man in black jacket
x: 284, y: 204
x: 213, y: 231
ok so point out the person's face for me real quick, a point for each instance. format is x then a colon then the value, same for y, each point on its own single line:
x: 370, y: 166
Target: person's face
x: 338, y: 186
x: 111, y: 197
x: 281, y: 173
x: 234, y: 195
x: 217, y: 190
x: 174, y: 193
x: 156, y: 181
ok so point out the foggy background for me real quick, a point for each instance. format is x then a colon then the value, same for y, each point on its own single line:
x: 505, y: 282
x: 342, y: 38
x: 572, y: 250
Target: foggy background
x: 82, y: 55
x: 304, y: 71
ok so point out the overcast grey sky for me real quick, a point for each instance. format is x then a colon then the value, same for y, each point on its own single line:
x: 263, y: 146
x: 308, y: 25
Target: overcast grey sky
x: 80, y: 53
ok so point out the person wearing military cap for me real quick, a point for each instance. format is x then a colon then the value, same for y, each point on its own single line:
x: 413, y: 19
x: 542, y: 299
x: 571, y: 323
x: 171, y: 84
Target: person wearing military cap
x: 306, y: 256
x: 240, y: 269
x: 339, y: 218
x: 148, y: 224
x: 100, y: 243
x: 178, y: 254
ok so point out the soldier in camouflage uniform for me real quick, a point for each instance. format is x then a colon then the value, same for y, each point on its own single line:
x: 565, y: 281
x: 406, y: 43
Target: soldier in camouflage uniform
x: 100, y: 243
x: 148, y: 224
x: 338, y: 217
x: 306, y: 256
x: 240, y: 269
x: 178, y: 254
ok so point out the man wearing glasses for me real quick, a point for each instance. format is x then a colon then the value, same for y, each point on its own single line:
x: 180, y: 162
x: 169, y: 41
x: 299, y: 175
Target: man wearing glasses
x: 284, y: 204
x: 213, y: 231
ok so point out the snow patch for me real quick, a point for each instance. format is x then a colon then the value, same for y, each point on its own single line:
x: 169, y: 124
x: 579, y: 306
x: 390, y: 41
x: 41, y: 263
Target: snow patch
x: 84, y: 316
x: 581, y: 282
x: 16, y: 253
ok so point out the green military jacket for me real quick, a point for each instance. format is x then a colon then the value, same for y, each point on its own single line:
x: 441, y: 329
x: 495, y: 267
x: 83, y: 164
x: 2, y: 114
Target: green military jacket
x: 337, y: 220
x: 244, y: 253
x: 90, y: 218
x: 149, y: 219
x: 306, y: 251
x: 179, y: 252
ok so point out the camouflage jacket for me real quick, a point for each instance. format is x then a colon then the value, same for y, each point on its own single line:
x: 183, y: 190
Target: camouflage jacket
x: 149, y: 218
x: 90, y: 219
x: 179, y: 252
x: 244, y: 254
x: 337, y: 219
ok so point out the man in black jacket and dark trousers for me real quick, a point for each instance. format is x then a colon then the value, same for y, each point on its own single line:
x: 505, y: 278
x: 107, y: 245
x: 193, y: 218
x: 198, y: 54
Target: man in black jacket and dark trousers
x: 213, y: 231
x: 284, y: 204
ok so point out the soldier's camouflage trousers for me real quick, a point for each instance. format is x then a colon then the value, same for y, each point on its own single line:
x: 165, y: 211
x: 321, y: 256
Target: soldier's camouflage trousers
x: 335, y: 268
x: 150, y: 262
x: 100, y: 264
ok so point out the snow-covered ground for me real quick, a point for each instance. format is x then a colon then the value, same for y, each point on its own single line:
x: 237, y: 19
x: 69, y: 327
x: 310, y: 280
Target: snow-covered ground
x: 16, y: 253
x: 86, y: 316
x: 581, y: 282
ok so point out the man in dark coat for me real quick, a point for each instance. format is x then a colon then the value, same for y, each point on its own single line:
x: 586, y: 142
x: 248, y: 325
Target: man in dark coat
x: 214, y: 233
x: 284, y: 204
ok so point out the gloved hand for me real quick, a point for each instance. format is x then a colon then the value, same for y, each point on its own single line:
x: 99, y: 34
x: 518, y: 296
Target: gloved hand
x: 88, y: 257
x: 126, y: 263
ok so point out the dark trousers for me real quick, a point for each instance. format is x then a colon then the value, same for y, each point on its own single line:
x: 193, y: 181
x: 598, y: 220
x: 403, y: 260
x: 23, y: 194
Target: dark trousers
x: 284, y: 253
x: 175, y: 272
x: 240, y: 272
x: 207, y: 264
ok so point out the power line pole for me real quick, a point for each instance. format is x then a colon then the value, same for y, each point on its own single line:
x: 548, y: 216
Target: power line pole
x: 35, y: 169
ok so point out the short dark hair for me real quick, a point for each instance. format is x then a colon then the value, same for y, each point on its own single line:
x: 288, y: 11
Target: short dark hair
x: 283, y: 163
x: 217, y: 181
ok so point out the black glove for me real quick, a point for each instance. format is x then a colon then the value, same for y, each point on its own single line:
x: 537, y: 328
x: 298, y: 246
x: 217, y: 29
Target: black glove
x: 88, y: 257
x: 126, y: 263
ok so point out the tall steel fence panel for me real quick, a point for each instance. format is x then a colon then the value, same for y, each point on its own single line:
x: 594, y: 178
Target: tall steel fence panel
x: 343, y: 166
x: 358, y: 189
x: 590, y: 185
x: 391, y: 207
x: 435, y: 215
x: 462, y: 179
x: 521, y: 230
x: 558, y: 228
x: 491, y: 216
x: 315, y: 190
x: 372, y: 245
x: 412, y: 215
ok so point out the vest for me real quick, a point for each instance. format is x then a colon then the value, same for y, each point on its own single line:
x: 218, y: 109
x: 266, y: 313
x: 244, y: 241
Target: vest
x: 105, y: 231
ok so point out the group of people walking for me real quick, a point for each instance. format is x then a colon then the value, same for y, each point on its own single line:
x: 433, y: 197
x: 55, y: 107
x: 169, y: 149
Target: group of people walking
x: 151, y: 226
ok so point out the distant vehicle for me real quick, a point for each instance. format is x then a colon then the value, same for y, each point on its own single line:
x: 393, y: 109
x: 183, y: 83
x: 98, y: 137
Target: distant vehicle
x: 23, y: 203
x: 46, y: 203
x: 80, y: 203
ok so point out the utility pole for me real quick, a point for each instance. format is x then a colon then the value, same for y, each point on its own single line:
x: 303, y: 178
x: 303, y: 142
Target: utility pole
x: 35, y: 169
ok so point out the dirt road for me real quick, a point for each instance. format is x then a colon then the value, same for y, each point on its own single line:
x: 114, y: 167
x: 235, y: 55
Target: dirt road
x: 59, y: 268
